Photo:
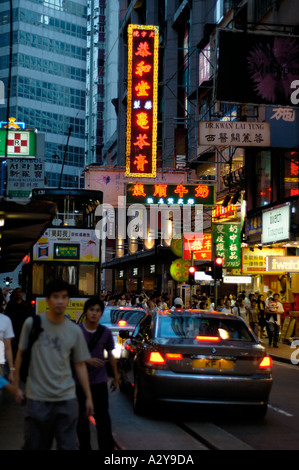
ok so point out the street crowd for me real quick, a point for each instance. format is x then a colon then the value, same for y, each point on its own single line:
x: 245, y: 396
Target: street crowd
x: 263, y: 315
x: 66, y: 384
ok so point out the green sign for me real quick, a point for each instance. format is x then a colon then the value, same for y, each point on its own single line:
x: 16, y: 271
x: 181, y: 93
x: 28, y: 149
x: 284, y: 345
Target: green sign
x: 227, y: 241
x: 19, y: 143
x: 66, y: 251
x: 164, y: 193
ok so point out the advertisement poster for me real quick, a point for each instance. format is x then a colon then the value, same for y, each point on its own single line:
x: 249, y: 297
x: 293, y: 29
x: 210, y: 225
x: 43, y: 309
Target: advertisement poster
x: 65, y: 244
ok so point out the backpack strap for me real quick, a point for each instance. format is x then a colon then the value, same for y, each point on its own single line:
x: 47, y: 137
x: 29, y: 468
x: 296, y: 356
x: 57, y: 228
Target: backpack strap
x: 35, y: 330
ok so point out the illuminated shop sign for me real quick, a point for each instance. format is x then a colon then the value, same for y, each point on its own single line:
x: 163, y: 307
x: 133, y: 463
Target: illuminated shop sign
x: 163, y: 193
x: 200, y: 245
x: 142, y: 101
x: 18, y: 143
x: 276, y: 224
x: 220, y: 212
x: 278, y: 264
x: 227, y: 240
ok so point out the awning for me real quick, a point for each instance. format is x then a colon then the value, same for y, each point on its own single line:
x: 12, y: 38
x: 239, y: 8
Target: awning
x: 158, y: 254
x: 21, y: 225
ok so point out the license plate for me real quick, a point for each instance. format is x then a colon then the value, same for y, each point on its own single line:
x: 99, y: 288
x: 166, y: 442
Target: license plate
x: 212, y: 364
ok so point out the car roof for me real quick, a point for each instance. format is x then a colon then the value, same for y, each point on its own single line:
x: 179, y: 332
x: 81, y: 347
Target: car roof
x: 197, y: 312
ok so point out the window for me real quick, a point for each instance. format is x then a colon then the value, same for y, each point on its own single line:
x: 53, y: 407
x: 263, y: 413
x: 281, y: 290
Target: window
x: 192, y: 326
x: 87, y: 279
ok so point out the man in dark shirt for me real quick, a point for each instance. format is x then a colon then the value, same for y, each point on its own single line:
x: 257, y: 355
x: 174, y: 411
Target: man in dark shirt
x: 17, y: 309
x: 97, y: 373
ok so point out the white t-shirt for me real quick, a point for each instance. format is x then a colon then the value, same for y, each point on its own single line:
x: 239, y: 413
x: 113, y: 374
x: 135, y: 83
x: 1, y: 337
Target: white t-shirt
x: 50, y: 375
x: 6, y: 332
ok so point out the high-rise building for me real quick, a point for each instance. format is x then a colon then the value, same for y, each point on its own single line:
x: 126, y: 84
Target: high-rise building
x: 101, y: 78
x: 48, y: 78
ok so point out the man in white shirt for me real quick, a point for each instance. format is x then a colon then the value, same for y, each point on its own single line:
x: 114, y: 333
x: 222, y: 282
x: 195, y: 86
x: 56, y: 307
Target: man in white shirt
x: 6, y: 335
x: 273, y: 312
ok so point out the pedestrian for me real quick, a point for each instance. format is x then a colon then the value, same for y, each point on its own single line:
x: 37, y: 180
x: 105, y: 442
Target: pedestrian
x: 227, y: 308
x: 194, y: 303
x: 5, y: 385
x: 177, y: 304
x: 98, y: 378
x: 6, y: 356
x: 2, y: 301
x: 50, y: 393
x: 272, y: 313
x: 253, y: 317
x: 261, y: 309
x: 17, y: 309
x: 220, y: 305
x: 239, y: 309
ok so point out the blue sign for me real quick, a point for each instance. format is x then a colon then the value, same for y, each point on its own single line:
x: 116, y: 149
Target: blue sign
x: 284, y: 124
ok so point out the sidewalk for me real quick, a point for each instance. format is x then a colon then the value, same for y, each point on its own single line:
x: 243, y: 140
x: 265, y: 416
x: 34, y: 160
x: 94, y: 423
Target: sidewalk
x: 282, y: 353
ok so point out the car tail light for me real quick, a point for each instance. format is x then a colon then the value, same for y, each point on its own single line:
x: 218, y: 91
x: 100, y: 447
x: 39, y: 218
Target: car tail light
x: 208, y: 338
x: 122, y: 323
x: 174, y: 356
x: 266, y: 363
x: 156, y: 358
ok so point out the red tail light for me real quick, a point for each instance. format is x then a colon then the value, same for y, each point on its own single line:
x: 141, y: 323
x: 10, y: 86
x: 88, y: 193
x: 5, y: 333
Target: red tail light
x: 156, y: 358
x: 208, y: 338
x: 174, y: 356
x: 122, y: 323
x: 266, y: 363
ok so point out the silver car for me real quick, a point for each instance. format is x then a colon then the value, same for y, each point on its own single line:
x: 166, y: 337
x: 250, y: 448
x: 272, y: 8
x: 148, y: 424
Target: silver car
x: 119, y: 319
x: 196, y: 357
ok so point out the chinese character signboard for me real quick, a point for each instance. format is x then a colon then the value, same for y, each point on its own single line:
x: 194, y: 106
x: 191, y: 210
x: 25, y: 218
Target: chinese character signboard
x: 20, y: 143
x: 24, y: 175
x: 284, y: 123
x: 237, y: 134
x: 227, y: 239
x: 142, y: 101
x: 254, y: 262
x: 163, y: 193
x: 199, y: 244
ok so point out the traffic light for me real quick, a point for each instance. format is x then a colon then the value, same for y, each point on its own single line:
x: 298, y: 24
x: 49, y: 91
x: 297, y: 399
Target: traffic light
x: 192, y: 271
x: 217, y: 268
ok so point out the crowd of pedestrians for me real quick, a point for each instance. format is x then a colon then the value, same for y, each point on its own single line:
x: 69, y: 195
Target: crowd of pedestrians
x: 67, y: 382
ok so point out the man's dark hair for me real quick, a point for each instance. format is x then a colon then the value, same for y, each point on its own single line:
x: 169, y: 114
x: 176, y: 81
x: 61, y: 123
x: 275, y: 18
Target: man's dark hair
x: 57, y: 285
x: 93, y: 301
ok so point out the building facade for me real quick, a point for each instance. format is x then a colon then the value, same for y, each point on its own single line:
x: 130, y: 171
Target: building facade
x: 48, y: 78
x: 201, y: 81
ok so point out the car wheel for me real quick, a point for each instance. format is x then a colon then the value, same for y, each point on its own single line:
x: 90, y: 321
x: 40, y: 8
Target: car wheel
x: 139, y: 402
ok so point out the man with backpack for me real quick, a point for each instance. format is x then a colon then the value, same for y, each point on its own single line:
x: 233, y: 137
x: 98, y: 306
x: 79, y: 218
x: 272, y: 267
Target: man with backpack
x: 98, y: 338
x: 50, y: 386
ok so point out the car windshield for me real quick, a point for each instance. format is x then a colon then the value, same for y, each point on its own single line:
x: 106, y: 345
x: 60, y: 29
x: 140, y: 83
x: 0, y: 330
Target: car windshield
x: 132, y: 317
x: 181, y: 326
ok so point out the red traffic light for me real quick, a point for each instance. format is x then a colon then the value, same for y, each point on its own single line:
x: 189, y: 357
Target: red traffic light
x: 219, y: 260
x: 192, y: 270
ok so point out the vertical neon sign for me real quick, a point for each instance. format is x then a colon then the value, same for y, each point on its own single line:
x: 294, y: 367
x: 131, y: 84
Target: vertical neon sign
x: 142, y: 101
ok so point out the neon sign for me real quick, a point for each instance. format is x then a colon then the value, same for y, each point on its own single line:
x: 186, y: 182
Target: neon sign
x: 162, y: 193
x: 199, y: 244
x: 142, y: 101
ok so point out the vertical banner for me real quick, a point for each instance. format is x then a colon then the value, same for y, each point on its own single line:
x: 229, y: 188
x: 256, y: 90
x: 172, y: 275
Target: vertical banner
x: 227, y: 240
x: 142, y: 101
